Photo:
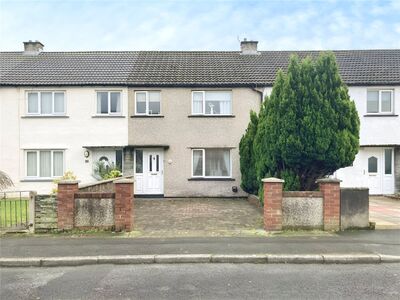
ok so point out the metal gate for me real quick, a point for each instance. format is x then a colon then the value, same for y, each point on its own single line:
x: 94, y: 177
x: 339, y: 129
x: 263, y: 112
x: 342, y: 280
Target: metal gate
x: 16, y: 210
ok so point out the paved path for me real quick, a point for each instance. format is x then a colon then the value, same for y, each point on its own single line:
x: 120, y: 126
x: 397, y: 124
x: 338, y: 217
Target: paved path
x: 367, y: 242
x: 199, y: 281
x: 196, y: 217
x: 385, y: 212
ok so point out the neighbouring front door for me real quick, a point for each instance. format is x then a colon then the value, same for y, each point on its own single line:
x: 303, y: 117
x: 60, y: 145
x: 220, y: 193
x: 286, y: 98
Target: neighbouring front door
x: 379, y: 164
x: 149, y: 172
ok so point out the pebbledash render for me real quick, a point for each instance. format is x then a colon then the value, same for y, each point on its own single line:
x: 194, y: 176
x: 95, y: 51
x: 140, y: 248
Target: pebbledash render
x: 173, y: 120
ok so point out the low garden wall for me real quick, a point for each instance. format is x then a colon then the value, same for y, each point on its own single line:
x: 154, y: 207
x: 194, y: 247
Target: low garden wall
x: 302, y: 210
x: 94, y: 210
x: 298, y: 210
x: 354, y: 208
x: 72, y: 208
x: 101, y: 186
x: 45, y: 213
x: 331, y: 208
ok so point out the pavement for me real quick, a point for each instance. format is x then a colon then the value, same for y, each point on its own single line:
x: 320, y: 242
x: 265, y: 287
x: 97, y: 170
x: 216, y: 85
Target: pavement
x: 203, y: 281
x: 384, y: 212
x: 344, y: 247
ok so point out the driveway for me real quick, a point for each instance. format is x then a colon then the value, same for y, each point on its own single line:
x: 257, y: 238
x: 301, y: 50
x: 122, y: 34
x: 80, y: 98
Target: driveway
x: 197, y: 217
x: 385, y: 212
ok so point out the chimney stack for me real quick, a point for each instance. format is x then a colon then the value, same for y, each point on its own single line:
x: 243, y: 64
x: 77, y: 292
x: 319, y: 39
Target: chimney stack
x: 248, y: 47
x: 33, y: 47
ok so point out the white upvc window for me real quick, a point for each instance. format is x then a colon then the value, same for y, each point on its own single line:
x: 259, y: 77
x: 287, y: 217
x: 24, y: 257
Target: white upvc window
x: 211, y: 103
x: 147, y: 103
x: 380, y: 102
x: 45, y: 103
x: 211, y: 163
x: 108, y: 103
x: 44, y: 163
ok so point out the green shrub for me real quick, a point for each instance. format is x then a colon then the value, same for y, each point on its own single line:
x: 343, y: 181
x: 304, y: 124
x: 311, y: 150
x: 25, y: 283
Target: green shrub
x: 308, y: 127
x: 68, y: 175
x: 247, y: 165
x: 103, y: 171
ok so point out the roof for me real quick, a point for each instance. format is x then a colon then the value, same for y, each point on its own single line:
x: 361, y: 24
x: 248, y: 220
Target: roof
x: 184, y: 68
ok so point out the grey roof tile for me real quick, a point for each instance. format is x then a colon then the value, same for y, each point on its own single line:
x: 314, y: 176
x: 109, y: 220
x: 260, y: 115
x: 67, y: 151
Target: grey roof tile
x: 185, y: 68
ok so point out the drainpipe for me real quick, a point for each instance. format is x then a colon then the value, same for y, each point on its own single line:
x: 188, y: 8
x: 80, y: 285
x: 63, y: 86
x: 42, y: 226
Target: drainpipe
x: 260, y: 93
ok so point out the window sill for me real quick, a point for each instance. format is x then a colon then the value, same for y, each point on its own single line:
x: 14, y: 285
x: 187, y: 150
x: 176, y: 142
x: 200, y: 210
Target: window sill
x: 380, y: 115
x: 44, y: 117
x: 147, y: 116
x: 210, y: 179
x: 211, y: 116
x: 108, y: 116
x: 38, y: 180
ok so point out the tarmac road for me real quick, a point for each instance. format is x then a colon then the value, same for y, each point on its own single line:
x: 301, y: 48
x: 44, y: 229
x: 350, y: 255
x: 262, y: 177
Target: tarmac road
x: 205, y: 281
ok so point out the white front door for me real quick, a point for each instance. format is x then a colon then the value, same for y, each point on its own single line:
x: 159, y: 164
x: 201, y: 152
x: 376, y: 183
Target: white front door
x: 149, y: 172
x: 379, y: 170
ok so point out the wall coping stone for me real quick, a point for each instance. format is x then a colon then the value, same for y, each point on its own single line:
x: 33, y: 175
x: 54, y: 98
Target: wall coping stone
x: 85, y: 185
x: 328, y: 180
x: 273, y: 180
x: 124, y: 181
x: 303, y: 194
x: 354, y: 188
x: 95, y: 195
x: 68, y: 181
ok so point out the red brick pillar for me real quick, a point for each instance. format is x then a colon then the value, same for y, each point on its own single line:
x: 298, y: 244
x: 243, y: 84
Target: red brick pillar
x: 66, y: 203
x: 330, y: 188
x: 273, y: 203
x: 124, y: 205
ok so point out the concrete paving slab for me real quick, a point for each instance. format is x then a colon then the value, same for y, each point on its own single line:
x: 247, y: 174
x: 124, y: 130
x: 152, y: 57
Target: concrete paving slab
x: 384, y: 212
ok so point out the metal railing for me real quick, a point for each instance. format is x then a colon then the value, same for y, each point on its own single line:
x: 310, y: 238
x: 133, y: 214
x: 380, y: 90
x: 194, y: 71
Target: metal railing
x: 16, y: 210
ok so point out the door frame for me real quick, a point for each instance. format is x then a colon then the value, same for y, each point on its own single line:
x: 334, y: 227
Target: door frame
x: 379, y: 152
x: 146, y: 152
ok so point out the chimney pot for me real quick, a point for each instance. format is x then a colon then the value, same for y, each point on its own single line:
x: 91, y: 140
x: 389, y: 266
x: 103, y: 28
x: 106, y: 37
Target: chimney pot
x: 248, y: 47
x: 33, y: 48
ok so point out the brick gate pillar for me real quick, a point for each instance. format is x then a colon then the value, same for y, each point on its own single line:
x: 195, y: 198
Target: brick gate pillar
x: 124, y: 204
x: 273, y: 203
x: 66, y: 203
x: 330, y: 188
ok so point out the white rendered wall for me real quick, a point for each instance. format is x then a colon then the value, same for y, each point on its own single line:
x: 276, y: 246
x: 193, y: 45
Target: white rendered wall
x: 79, y: 129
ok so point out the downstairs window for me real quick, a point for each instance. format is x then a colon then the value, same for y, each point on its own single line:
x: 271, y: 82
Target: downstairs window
x: 212, y: 163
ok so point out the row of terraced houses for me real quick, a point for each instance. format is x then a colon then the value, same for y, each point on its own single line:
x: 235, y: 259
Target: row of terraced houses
x: 173, y: 119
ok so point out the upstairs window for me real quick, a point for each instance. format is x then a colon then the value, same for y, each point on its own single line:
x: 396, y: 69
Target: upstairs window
x: 380, y: 102
x: 108, y: 103
x: 46, y: 103
x: 148, y: 103
x: 211, y: 103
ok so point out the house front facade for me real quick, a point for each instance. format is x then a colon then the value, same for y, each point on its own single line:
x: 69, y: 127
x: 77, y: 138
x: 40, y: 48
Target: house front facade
x: 377, y: 164
x: 173, y: 120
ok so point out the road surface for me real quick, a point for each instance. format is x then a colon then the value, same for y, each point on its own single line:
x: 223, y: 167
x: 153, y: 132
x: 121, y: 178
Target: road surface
x: 205, y: 281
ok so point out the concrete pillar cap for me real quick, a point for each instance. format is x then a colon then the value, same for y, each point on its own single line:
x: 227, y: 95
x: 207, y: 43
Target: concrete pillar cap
x: 273, y: 180
x: 328, y: 180
x: 68, y: 181
x: 124, y: 181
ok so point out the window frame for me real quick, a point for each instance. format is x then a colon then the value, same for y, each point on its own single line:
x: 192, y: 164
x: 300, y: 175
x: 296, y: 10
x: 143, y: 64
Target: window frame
x: 391, y: 162
x: 37, y: 151
x: 109, y: 113
x: 377, y: 165
x: 146, y: 113
x: 380, y: 112
x: 39, y: 104
x: 204, y: 103
x: 204, y: 164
